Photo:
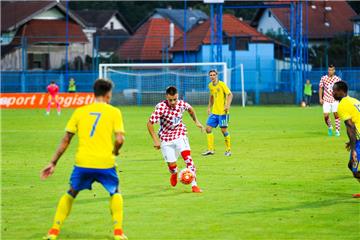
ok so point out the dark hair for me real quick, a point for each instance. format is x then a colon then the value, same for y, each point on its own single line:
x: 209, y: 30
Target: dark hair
x: 102, y: 87
x: 52, y: 82
x: 171, y: 91
x: 341, y: 86
x: 331, y: 66
x: 213, y: 70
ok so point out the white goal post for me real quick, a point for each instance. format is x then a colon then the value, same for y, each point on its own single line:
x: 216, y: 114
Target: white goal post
x: 143, y: 78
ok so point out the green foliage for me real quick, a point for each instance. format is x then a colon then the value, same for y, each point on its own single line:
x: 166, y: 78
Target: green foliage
x: 286, y: 179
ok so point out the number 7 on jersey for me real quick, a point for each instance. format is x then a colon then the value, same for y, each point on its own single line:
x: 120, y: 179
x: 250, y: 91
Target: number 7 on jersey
x: 98, y: 115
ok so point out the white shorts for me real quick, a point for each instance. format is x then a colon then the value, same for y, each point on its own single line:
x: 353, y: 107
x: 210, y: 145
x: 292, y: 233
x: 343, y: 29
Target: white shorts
x: 330, y: 107
x: 171, y: 150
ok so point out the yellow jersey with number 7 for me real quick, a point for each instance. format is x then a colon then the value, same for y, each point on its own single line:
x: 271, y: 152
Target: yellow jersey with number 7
x: 95, y: 125
x: 219, y: 93
x: 349, y: 108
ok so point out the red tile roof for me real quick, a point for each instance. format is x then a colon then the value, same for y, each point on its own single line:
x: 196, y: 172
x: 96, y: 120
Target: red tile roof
x: 148, y: 41
x: 232, y: 26
x: 339, y: 18
x: 49, y: 31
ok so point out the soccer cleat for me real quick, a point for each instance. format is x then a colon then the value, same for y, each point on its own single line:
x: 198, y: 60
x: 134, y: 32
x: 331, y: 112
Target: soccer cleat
x: 173, y: 179
x: 119, y: 235
x: 59, y: 113
x: 196, y: 189
x: 227, y: 154
x: 356, y: 195
x: 52, y: 234
x: 208, y: 152
x: 337, y: 133
x: 330, y: 131
x: 48, y: 113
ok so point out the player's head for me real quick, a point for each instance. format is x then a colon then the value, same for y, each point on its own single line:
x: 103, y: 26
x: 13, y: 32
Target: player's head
x: 52, y: 82
x: 340, y: 90
x: 307, y: 81
x: 331, y: 70
x: 172, y: 96
x: 103, y: 88
x: 213, y: 75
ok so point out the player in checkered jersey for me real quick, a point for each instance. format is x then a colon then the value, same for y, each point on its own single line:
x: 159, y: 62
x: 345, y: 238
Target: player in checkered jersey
x: 172, y: 133
x: 327, y: 100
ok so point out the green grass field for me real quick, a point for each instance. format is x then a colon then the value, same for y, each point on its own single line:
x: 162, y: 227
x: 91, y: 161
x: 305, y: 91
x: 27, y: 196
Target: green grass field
x: 286, y: 179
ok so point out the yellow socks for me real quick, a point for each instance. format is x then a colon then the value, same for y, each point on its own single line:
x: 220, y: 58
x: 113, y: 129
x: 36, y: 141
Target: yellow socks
x: 210, y: 141
x: 116, y: 207
x: 62, y: 211
x: 227, y: 143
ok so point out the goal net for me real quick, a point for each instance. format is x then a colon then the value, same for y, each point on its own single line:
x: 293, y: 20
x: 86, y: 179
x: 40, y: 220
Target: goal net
x: 145, y: 83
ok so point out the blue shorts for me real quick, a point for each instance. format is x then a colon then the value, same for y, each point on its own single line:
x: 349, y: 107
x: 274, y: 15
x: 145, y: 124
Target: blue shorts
x: 354, y: 165
x: 83, y: 178
x: 215, y: 120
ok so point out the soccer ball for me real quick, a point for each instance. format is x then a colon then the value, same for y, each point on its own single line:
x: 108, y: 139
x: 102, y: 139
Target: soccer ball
x: 186, y: 176
x: 303, y: 104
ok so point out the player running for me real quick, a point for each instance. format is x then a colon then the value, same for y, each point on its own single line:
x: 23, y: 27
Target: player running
x: 53, y: 91
x: 220, y: 101
x: 172, y: 133
x: 327, y: 100
x: 349, y: 111
x: 95, y: 125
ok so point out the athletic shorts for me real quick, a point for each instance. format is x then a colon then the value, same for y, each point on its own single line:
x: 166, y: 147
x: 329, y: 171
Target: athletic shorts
x: 330, y: 107
x: 172, y: 150
x: 83, y: 178
x: 354, y: 165
x: 215, y: 120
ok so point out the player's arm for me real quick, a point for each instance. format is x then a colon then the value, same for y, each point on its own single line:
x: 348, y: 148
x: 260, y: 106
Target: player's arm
x: 195, y: 119
x: 229, y: 98
x: 119, y: 141
x: 49, y: 169
x: 351, y: 132
x: 321, y: 89
x: 211, y: 103
x: 150, y: 127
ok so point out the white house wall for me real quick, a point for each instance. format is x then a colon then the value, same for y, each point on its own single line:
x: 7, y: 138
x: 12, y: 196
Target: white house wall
x: 12, y: 61
x: 267, y: 24
x: 117, y: 24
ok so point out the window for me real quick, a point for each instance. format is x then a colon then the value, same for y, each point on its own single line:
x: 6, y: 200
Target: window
x: 112, y: 25
x: 241, y: 43
x: 269, y: 14
x: 38, y: 61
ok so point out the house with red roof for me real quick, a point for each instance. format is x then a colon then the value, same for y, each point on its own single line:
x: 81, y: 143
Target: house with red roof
x: 33, y: 33
x: 150, y: 42
x: 326, y: 19
x: 241, y: 44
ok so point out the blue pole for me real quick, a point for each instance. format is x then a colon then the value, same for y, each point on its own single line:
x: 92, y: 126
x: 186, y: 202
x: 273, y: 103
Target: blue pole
x: 67, y: 42
x: 291, y: 44
x: 211, y: 32
x: 219, y: 32
x: 185, y: 29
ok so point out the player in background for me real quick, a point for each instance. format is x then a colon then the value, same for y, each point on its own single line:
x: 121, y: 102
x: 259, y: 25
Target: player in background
x: 327, y: 100
x: 72, y: 86
x: 172, y: 133
x: 95, y: 125
x: 349, y: 112
x: 218, y: 110
x: 53, y: 91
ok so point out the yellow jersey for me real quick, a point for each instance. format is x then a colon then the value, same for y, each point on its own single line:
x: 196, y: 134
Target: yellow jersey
x: 95, y: 125
x: 219, y: 93
x: 349, y: 108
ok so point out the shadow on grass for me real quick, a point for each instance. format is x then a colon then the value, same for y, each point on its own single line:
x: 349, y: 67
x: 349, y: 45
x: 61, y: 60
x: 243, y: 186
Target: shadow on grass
x: 77, y: 235
x: 345, y: 198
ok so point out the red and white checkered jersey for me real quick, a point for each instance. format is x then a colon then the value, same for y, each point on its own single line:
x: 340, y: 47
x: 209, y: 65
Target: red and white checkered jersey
x: 327, y: 83
x: 171, y: 124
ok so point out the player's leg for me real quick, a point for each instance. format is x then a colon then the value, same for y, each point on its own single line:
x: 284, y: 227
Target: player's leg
x: 81, y: 178
x: 48, y: 105
x: 110, y: 181
x: 211, y: 123
x: 62, y: 211
x: 169, y: 154
x: 334, y: 107
x: 224, y: 122
x: 57, y: 104
x: 354, y: 166
x: 183, y: 147
x: 326, y: 110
